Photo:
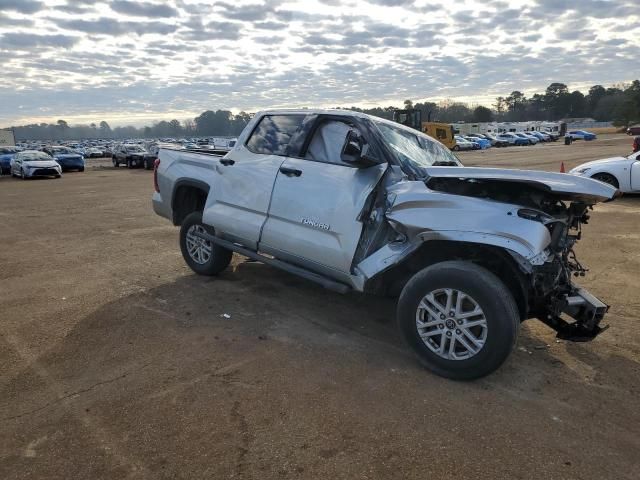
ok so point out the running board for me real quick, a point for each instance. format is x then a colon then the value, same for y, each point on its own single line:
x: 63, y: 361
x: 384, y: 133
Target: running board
x: 274, y: 262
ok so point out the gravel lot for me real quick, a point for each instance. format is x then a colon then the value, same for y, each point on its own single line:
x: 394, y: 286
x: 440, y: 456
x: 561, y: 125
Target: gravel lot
x: 118, y: 362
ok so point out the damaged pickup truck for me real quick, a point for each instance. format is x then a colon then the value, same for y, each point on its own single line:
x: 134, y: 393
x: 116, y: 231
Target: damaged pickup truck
x: 354, y: 202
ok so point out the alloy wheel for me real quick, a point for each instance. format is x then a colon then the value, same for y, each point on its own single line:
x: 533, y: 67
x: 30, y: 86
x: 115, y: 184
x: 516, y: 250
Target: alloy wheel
x: 451, y: 324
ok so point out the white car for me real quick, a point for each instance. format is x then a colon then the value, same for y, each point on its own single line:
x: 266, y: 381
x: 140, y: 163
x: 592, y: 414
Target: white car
x: 93, y: 152
x: 32, y: 163
x: 620, y: 172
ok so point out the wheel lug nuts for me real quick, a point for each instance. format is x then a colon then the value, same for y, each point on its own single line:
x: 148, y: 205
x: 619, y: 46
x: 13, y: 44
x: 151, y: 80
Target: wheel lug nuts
x: 448, y: 334
x: 441, y: 326
x: 458, y: 331
x: 441, y: 316
x: 459, y: 322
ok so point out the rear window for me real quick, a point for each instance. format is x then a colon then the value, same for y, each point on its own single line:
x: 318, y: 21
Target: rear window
x: 273, y: 133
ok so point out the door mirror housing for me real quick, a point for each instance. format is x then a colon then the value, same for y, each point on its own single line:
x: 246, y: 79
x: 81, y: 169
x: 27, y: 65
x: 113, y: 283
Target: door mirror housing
x: 355, y: 151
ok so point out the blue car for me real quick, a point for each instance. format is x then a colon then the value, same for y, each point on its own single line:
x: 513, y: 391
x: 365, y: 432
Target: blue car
x: 582, y: 135
x: 483, y: 142
x: 6, y: 154
x: 66, y: 158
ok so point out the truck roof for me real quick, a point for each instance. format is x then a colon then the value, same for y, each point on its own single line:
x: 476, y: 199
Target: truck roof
x: 336, y: 111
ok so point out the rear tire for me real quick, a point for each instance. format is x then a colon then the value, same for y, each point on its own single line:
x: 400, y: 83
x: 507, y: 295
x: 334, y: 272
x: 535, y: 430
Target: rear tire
x: 456, y: 148
x: 474, y: 335
x: 203, y: 257
x: 607, y: 178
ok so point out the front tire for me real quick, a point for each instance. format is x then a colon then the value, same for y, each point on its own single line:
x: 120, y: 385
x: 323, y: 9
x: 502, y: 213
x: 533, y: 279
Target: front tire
x: 459, y: 318
x: 456, y: 148
x: 607, y: 178
x: 202, y: 256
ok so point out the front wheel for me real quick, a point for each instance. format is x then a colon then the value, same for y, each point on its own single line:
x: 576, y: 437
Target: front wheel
x: 607, y: 178
x: 456, y: 148
x: 459, y: 318
x: 202, y: 256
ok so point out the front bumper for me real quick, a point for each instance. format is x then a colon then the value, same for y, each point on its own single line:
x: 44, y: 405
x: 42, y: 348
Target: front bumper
x: 42, y: 172
x: 587, y: 311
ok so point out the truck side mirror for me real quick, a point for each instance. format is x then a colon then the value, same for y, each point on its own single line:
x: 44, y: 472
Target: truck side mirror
x: 354, y: 151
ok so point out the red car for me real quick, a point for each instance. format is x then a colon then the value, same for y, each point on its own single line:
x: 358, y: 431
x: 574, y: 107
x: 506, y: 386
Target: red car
x: 633, y: 130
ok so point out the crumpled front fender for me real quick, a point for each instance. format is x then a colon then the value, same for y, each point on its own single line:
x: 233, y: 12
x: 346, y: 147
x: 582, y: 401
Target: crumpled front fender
x: 423, y: 215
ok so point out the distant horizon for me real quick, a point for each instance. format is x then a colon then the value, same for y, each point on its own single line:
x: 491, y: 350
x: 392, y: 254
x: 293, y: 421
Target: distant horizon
x: 149, y: 119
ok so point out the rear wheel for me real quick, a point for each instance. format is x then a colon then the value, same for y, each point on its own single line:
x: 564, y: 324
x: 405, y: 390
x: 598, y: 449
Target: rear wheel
x: 459, y: 318
x: 202, y: 256
x: 607, y: 178
x: 456, y: 147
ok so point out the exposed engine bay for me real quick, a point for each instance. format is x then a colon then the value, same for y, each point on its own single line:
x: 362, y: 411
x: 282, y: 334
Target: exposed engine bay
x: 552, y: 292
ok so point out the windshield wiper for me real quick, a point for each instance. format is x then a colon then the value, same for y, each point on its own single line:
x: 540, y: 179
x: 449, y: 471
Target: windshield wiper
x: 445, y: 163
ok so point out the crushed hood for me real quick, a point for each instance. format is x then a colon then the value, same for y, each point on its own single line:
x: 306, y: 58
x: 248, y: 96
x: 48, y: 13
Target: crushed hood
x: 570, y: 187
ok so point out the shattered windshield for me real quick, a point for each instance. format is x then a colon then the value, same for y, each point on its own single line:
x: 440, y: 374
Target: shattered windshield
x: 416, y: 151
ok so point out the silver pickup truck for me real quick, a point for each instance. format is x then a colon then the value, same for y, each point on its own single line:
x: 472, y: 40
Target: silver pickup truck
x: 354, y: 202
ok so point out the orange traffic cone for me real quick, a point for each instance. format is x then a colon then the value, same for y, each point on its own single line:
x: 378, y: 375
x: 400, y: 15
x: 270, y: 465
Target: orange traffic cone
x: 562, y: 168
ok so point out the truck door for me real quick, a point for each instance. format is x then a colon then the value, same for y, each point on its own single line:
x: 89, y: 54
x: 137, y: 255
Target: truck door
x: 239, y: 199
x: 313, y: 218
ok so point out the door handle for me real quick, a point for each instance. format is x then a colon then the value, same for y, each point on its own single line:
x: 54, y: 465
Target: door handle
x: 291, y: 172
x: 227, y: 162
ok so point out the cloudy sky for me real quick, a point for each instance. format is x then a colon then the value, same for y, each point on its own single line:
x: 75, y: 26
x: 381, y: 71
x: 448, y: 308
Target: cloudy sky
x: 133, y: 62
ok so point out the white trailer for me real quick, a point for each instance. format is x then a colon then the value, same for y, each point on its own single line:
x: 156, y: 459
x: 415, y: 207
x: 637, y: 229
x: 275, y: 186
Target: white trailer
x: 7, y: 138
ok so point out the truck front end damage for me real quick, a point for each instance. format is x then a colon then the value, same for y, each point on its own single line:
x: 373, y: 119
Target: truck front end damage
x: 535, y: 217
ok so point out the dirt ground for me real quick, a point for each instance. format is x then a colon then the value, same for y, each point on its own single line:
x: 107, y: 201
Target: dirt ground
x: 118, y: 362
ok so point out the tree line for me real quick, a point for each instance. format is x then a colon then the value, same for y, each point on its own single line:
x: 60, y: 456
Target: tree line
x: 619, y: 104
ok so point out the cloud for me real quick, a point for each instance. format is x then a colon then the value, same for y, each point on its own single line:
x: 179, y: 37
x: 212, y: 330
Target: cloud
x: 21, y: 6
x: 143, y: 9
x: 129, y: 58
x: 110, y: 26
x: 30, y: 40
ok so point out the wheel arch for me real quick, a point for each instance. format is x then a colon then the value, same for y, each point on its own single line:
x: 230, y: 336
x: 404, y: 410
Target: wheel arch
x: 495, y: 259
x: 188, y: 196
x: 610, y: 173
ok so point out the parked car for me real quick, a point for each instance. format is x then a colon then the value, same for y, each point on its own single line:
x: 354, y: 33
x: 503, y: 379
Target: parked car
x: 94, y: 152
x: 356, y: 202
x: 133, y: 156
x: 66, y: 157
x: 633, y: 130
x: 481, y: 141
x: 581, y: 135
x: 543, y: 137
x: 495, y: 141
x: 553, y: 134
x: 463, y: 144
x: 532, y: 140
x: 622, y: 173
x: 34, y: 163
x: 6, y: 154
x: 513, y: 139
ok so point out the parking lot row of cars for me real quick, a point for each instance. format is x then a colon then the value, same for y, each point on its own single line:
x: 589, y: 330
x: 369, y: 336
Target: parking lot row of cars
x: 481, y: 141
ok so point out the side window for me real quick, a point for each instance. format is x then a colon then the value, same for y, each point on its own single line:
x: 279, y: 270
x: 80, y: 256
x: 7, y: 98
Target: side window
x: 273, y: 133
x: 441, y: 134
x: 327, y: 142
